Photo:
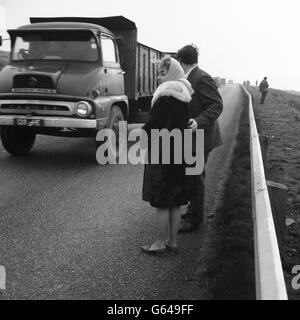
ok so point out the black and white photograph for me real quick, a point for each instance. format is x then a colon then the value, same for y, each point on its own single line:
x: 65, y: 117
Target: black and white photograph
x: 149, y: 153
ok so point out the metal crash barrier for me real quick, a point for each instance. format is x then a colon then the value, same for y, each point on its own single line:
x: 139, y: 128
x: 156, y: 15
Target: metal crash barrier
x: 269, y: 276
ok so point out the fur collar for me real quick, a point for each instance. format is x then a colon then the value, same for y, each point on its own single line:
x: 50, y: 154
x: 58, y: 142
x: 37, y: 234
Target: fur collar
x: 180, y: 89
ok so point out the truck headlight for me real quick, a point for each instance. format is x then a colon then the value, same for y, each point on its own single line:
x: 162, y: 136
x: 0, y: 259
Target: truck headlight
x: 83, y: 109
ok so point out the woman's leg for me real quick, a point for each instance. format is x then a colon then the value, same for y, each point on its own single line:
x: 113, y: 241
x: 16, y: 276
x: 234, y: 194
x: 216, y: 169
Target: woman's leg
x: 162, y: 227
x: 174, y: 221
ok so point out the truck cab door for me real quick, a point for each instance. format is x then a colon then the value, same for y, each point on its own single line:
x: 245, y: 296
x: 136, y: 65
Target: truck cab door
x: 113, y: 74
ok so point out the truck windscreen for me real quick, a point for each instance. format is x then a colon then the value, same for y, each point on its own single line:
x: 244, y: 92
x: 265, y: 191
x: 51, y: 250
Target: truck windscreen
x: 79, y: 45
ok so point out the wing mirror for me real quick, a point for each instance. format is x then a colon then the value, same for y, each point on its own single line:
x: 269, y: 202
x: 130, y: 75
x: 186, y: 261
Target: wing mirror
x: 1, y: 40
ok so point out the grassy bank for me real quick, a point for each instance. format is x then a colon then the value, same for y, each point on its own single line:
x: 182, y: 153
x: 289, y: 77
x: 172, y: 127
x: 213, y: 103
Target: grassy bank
x: 230, y: 271
x: 279, y: 119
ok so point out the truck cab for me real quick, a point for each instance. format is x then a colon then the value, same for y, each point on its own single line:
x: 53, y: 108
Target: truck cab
x: 73, y: 77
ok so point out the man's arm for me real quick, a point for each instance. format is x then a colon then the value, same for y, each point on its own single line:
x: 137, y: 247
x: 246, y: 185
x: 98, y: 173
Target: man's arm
x: 211, y: 101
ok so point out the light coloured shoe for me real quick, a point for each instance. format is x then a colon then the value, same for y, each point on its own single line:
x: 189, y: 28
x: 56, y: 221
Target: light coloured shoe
x: 158, y: 252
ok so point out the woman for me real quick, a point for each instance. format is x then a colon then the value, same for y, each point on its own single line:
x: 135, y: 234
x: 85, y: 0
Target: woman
x: 166, y: 186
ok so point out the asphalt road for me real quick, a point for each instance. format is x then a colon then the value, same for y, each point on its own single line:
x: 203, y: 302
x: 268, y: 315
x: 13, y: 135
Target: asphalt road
x: 71, y: 229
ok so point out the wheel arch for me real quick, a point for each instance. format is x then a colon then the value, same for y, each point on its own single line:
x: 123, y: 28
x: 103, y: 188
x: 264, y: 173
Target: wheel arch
x: 123, y: 106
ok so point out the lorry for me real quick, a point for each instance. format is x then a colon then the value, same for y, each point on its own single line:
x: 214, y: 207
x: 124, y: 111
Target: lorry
x: 72, y: 77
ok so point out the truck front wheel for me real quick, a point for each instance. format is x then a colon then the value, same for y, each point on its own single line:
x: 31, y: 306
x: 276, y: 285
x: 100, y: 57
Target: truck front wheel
x: 115, y: 117
x: 17, y: 140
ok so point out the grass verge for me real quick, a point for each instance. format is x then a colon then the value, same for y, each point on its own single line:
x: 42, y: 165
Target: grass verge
x: 279, y: 119
x: 230, y: 270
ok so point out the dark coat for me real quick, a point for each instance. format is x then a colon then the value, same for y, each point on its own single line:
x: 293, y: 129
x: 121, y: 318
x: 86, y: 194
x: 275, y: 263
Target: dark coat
x: 264, y: 86
x: 206, y: 106
x: 166, y: 185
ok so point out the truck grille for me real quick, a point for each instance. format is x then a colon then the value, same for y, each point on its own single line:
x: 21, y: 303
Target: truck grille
x: 33, y: 81
x: 33, y: 107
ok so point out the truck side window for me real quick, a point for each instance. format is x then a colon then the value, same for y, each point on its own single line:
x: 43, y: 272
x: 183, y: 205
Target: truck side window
x: 108, y: 49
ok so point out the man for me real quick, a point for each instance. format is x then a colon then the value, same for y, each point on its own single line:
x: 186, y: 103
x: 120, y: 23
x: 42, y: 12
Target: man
x: 205, y: 108
x: 263, y: 88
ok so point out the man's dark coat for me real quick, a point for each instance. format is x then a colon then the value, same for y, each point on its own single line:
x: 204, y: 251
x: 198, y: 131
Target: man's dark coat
x: 206, y: 106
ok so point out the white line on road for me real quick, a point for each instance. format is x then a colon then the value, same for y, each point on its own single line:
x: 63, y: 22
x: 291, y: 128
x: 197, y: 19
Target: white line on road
x: 2, y: 278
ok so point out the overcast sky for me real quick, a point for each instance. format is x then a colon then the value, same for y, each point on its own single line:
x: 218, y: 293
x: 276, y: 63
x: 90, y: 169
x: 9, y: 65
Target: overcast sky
x: 238, y: 39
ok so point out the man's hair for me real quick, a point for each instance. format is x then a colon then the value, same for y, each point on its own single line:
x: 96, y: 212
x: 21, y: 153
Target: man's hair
x: 188, y: 54
x: 265, y: 78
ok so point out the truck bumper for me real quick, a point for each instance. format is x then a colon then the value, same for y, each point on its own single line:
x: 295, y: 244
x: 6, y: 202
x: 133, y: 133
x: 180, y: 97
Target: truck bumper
x: 57, y: 122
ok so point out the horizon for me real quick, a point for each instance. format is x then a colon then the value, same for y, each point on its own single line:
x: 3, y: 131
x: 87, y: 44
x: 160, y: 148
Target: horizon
x: 226, y: 37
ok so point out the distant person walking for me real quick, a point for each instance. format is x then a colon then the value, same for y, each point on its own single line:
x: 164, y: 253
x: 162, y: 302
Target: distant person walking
x: 263, y: 88
x: 204, y: 110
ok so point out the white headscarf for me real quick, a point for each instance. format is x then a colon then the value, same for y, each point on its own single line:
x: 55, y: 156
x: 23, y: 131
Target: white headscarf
x: 175, y: 71
x: 174, y: 84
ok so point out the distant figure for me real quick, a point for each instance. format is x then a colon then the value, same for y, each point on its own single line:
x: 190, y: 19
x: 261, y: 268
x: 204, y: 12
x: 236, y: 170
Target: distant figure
x: 263, y: 88
x: 256, y: 83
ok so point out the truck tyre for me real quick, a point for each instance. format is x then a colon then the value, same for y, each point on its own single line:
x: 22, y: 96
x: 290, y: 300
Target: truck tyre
x: 115, y: 116
x: 17, y: 140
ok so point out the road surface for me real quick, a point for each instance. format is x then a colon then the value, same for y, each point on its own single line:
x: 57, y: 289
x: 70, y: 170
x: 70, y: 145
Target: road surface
x: 70, y: 229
